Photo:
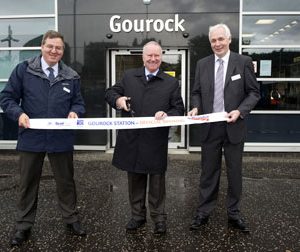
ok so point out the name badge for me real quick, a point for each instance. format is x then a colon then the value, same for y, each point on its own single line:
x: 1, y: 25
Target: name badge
x: 66, y: 89
x: 235, y: 77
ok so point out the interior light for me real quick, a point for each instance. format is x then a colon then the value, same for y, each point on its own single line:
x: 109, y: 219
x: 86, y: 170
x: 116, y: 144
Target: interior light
x: 265, y: 21
x: 248, y: 35
x: 294, y: 22
x: 282, y: 29
x: 287, y: 26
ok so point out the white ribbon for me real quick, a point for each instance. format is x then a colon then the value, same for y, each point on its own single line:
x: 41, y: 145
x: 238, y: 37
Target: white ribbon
x: 123, y: 122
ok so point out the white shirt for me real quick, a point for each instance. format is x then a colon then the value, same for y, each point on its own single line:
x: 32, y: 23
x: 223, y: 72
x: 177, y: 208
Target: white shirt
x: 147, y: 72
x: 45, y: 66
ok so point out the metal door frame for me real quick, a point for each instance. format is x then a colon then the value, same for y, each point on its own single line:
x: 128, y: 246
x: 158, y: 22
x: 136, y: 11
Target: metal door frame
x: 112, y: 80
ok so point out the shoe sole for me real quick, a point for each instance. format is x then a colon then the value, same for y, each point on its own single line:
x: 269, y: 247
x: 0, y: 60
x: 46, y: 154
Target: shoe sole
x: 233, y: 226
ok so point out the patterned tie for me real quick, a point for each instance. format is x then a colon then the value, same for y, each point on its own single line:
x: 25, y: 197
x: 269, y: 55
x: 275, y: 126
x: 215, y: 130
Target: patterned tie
x: 219, y: 90
x: 51, y: 74
x: 150, y: 77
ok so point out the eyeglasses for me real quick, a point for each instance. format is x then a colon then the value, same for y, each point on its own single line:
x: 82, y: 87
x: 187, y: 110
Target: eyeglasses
x: 51, y: 47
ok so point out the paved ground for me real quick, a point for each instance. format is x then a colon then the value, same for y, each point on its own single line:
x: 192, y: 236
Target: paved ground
x: 271, y: 203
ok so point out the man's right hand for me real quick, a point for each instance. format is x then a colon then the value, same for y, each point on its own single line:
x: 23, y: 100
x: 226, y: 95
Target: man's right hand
x: 24, y: 121
x: 193, y: 112
x: 121, y: 103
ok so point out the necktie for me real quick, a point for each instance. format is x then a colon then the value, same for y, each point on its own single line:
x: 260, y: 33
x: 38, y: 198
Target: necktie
x: 51, y: 74
x: 219, y: 90
x: 150, y: 77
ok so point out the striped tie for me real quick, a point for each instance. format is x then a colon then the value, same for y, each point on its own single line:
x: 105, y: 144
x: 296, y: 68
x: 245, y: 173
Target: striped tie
x: 219, y: 90
x: 51, y: 74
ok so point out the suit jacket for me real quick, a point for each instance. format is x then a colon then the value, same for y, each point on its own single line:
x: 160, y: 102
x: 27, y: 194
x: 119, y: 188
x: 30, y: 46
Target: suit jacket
x: 241, y: 92
x: 145, y: 150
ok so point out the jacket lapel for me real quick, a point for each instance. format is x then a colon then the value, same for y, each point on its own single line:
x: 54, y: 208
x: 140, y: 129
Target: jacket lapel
x: 231, y: 66
x: 140, y: 73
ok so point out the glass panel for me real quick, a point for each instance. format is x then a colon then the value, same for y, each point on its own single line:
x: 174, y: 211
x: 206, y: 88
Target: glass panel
x: 279, y: 96
x: 24, y: 32
x: 28, y: 7
x: 171, y: 63
x: 196, y: 26
x: 280, y: 30
x: 2, y: 85
x: 8, y: 128
x: 274, y: 5
x: 9, y: 59
x: 276, y: 63
x: 137, y: 6
x: 273, y: 128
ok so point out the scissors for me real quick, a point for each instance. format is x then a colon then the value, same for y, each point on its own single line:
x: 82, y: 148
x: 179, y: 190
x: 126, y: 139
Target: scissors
x: 128, y: 104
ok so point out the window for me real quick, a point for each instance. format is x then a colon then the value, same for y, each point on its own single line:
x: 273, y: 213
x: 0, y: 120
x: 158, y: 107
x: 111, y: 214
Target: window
x: 22, y: 24
x: 270, y: 34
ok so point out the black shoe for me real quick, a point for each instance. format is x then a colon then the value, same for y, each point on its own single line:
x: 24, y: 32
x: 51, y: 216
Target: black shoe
x: 134, y: 224
x: 160, y: 227
x: 76, y: 228
x: 238, y: 224
x: 19, y: 237
x: 198, y: 221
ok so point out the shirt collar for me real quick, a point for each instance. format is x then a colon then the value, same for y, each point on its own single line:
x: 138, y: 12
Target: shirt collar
x: 148, y: 72
x: 225, y: 58
x: 45, y: 66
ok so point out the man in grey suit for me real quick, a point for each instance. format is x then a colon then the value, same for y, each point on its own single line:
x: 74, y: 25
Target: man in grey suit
x: 224, y: 81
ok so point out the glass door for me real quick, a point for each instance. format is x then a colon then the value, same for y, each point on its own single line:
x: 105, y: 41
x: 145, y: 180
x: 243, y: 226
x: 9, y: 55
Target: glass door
x: 173, y: 63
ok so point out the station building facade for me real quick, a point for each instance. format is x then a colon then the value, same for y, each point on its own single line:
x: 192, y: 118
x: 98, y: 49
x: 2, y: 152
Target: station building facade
x: 104, y: 38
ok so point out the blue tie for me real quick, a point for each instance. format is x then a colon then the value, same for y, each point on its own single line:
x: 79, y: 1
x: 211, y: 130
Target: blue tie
x: 150, y: 77
x: 51, y: 74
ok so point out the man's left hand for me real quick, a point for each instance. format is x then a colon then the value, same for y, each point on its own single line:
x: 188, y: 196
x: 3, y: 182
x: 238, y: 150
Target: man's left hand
x: 160, y: 115
x: 233, y: 116
x: 72, y: 115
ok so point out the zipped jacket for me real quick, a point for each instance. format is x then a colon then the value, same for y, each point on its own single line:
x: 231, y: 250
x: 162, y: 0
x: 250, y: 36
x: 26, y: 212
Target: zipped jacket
x: 29, y: 91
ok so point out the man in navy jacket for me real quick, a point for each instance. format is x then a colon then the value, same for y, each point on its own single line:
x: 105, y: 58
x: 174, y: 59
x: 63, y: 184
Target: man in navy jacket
x: 44, y: 87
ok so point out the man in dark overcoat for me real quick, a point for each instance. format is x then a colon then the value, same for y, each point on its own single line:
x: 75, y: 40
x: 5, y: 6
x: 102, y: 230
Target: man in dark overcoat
x: 143, y: 152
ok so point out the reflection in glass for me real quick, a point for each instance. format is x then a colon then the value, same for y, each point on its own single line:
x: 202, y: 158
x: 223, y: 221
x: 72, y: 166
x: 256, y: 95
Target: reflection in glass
x: 9, y: 59
x: 279, y: 96
x: 274, y: 5
x: 2, y: 85
x: 28, y: 7
x: 285, y: 62
x: 24, y: 32
x: 273, y: 30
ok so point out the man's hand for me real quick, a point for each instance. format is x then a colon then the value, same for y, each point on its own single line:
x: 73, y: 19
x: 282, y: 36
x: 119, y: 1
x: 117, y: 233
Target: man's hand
x: 121, y: 103
x: 160, y: 115
x: 24, y: 121
x: 193, y: 112
x: 233, y: 116
x: 72, y: 115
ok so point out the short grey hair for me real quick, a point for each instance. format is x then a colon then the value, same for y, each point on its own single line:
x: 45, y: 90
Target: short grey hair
x: 217, y: 26
x: 152, y: 42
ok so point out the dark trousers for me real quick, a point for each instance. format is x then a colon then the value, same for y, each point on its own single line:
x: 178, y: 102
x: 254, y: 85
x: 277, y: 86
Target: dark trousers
x: 211, y: 163
x: 137, y: 188
x: 31, y: 164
